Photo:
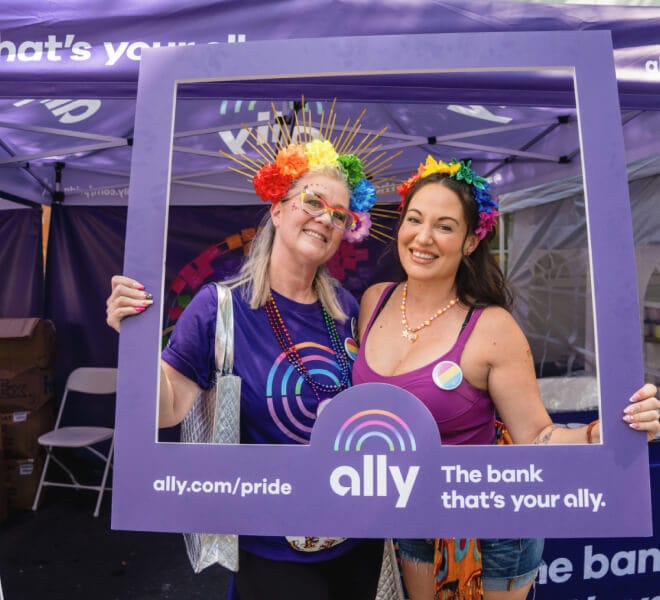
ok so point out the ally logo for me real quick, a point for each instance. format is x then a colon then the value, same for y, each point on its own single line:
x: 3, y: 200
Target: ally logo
x: 389, y: 432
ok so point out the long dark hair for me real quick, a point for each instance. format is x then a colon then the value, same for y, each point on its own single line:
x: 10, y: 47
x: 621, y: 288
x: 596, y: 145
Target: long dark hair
x: 479, y: 280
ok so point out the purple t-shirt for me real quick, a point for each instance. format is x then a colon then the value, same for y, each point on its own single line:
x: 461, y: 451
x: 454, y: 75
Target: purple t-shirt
x: 277, y: 406
x: 463, y: 413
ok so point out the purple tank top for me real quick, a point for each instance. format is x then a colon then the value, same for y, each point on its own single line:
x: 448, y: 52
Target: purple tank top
x: 463, y: 413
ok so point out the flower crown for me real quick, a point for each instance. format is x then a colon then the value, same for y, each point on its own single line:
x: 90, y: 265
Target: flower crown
x: 461, y: 171
x: 307, y: 149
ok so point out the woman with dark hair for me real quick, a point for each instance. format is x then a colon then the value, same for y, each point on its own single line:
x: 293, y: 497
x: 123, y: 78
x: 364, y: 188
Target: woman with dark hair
x: 445, y: 334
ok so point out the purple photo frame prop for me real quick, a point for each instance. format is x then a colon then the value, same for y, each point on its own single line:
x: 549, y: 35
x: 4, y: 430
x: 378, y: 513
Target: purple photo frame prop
x: 375, y: 466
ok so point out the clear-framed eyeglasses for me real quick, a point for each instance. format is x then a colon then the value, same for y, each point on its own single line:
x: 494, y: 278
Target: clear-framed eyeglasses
x: 315, y: 206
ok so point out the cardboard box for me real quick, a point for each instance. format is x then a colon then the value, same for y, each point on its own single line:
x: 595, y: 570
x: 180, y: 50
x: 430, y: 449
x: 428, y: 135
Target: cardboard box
x: 20, y: 430
x: 22, y: 479
x: 27, y: 361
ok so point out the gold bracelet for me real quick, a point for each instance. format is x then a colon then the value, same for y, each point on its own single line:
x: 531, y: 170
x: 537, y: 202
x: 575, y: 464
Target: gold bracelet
x: 590, y: 428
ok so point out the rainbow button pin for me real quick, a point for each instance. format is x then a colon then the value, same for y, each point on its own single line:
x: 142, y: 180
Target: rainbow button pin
x: 447, y: 375
x: 351, y: 347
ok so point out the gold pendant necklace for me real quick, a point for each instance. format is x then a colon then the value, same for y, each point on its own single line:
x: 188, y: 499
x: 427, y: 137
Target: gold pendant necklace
x: 410, y: 333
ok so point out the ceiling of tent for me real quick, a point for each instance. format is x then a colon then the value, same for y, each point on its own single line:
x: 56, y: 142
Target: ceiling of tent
x: 95, y: 169
x: 66, y: 119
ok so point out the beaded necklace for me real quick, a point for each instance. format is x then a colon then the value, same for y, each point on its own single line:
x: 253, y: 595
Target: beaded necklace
x: 410, y: 333
x: 286, y: 343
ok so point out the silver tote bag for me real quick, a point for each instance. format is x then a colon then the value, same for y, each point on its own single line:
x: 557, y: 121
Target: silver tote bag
x: 215, y: 419
x: 389, y: 584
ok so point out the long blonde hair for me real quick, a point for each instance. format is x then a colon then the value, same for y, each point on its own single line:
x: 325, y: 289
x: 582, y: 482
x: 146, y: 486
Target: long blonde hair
x: 254, y: 273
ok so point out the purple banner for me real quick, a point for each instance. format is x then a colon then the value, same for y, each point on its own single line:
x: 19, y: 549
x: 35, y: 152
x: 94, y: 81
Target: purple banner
x: 601, y: 569
x: 66, y: 57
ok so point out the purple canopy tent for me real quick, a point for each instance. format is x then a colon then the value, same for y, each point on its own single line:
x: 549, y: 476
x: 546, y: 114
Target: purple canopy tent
x: 69, y: 86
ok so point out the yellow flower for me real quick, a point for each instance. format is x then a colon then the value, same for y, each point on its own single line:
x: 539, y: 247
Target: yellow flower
x: 321, y: 154
x: 432, y: 166
x: 454, y: 167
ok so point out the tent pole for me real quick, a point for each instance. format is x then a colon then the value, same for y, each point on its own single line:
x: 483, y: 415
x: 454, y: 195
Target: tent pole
x: 45, y: 233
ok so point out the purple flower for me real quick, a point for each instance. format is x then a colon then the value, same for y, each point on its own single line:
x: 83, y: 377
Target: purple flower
x: 361, y: 230
x: 487, y: 222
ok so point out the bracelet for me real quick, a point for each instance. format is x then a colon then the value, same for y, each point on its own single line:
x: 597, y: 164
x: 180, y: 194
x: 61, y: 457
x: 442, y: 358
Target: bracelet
x: 590, y: 429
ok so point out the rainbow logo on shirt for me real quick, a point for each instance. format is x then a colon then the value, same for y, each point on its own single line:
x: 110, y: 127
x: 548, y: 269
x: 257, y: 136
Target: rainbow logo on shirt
x: 375, y: 423
x: 284, y: 389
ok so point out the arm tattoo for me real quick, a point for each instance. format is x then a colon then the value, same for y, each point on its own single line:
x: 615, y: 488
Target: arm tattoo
x: 545, y: 438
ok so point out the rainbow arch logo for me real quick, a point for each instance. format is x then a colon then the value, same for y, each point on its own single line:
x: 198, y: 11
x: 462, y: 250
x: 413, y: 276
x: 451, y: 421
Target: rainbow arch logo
x: 375, y: 423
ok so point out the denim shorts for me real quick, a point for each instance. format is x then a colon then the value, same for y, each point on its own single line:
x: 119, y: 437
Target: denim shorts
x: 507, y: 563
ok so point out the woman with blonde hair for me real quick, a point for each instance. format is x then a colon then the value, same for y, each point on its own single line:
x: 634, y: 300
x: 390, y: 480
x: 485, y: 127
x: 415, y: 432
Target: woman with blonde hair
x: 292, y: 324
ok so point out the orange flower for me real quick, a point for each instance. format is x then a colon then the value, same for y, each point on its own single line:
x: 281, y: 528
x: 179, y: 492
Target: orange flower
x: 292, y: 161
x: 405, y: 187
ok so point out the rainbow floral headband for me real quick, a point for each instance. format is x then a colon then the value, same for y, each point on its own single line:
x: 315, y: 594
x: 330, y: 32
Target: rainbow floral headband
x: 309, y: 150
x: 273, y: 180
x: 461, y: 171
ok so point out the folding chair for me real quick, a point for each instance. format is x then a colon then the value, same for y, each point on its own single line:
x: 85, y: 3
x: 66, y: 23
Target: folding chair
x: 90, y: 381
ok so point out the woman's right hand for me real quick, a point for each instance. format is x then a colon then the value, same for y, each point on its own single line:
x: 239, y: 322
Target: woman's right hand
x: 128, y: 298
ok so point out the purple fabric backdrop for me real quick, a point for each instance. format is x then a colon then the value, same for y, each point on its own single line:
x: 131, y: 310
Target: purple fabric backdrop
x: 86, y: 248
x: 21, y: 263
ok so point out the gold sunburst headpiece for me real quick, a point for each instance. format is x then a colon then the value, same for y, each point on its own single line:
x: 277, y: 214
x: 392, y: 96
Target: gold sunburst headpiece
x: 306, y: 149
